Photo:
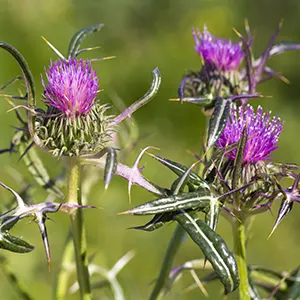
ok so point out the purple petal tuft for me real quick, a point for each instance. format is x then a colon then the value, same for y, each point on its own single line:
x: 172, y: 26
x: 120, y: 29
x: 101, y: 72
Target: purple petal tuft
x: 72, y: 86
x: 220, y: 53
x: 262, y: 130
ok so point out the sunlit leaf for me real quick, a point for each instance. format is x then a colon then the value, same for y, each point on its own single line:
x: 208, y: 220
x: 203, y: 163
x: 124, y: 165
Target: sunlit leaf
x: 198, y: 200
x: 214, y: 248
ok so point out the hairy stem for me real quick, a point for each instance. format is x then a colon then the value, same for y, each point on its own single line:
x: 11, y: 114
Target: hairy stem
x: 173, y: 247
x: 240, y: 255
x: 78, y: 232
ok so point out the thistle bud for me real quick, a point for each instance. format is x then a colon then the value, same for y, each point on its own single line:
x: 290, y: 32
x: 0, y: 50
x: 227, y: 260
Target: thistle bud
x: 219, y: 75
x: 75, y: 123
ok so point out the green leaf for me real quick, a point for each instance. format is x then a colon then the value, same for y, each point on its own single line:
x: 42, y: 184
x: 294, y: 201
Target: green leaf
x: 277, y: 284
x: 198, y: 200
x: 214, y: 249
x: 30, y: 89
x: 212, y: 215
x: 238, y: 165
x: 294, y: 286
x: 253, y: 293
x: 215, y: 160
x: 180, y: 170
x: 14, y: 244
x: 110, y: 166
x: 156, y: 222
x: 79, y: 36
x: 29, y: 81
x: 9, y: 242
x: 218, y: 120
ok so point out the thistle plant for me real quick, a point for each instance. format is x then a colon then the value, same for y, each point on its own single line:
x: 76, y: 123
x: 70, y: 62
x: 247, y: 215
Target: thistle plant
x: 75, y: 125
x: 234, y: 176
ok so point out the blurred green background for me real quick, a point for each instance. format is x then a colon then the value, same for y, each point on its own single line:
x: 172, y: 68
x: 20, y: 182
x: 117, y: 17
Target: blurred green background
x: 143, y: 34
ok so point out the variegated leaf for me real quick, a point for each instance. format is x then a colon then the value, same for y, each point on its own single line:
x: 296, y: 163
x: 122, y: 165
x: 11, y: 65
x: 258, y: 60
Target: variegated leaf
x: 156, y: 222
x: 198, y: 200
x: 110, y: 166
x: 180, y: 169
x: 217, y: 121
x: 214, y: 248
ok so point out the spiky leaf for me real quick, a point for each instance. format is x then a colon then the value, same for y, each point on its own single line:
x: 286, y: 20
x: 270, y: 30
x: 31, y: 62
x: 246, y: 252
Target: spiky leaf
x: 110, y: 166
x: 212, y: 215
x: 180, y: 169
x: 285, y: 207
x: 156, y: 222
x: 79, y: 36
x: 218, y: 120
x: 238, y: 163
x: 199, y: 200
x: 214, y: 249
x: 12, y: 243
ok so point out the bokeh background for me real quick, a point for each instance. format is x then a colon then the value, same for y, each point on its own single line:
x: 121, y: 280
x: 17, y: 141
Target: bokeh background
x: 143, y: 34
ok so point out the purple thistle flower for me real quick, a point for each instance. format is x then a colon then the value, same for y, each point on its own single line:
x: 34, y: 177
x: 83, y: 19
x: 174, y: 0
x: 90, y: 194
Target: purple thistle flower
x: 72, y: 86
x: 262, y: 131
x: 220, y: 53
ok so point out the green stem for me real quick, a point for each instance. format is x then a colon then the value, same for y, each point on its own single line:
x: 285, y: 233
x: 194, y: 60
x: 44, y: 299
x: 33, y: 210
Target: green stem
x: 240, y: 255
x: 173, y: 247
x: 65, y: 272
x: 78, y: 232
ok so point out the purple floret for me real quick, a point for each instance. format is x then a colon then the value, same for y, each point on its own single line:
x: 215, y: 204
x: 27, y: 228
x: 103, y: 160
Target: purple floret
x: 263, y: 133
x: 72, y: 86
x: 222, y: 54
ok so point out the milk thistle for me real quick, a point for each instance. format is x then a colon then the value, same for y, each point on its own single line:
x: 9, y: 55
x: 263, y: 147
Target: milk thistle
x: 77, y: 122
x: 75, y: 125
x: 236, y: 176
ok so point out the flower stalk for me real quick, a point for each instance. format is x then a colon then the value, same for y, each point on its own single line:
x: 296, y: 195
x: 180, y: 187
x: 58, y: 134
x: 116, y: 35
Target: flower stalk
x: 239, y: 233
x: 78, y: 231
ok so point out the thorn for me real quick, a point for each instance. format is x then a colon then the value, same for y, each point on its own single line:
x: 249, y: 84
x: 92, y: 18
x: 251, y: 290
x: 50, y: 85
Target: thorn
x: 103, y: 58
x: 280, y: 23
x: 247, y: 27
x: 237, y: 33
x: 53, y: 48
x: 6, y: 95
x: 136, y: 168
x: 199, y: 283
x: 22, y: 106
x: 127, y: 212
x: 87, y: 49
x: 272, y: 232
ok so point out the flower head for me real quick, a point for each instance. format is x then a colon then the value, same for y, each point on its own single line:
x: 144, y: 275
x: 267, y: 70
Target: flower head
x: 72, y: 86
x: 220, y: 53
x: 262, y: 131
